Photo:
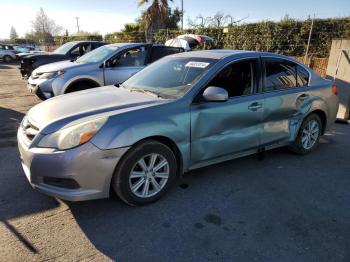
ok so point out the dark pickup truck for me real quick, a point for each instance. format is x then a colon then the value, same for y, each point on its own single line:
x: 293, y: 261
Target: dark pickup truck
x: 68, y: 51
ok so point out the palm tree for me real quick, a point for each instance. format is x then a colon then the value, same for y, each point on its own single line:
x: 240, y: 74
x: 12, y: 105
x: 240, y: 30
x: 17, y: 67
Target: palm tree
x: 154, y: 16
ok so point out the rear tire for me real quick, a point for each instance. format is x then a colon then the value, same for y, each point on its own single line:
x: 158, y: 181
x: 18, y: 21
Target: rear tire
x: 309, y: 135
x: 145, y: 173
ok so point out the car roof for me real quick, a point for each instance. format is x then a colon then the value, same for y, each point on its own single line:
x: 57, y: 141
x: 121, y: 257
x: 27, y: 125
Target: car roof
x: 126, y: 44
x: 85, y: 41
x: 223, y: 53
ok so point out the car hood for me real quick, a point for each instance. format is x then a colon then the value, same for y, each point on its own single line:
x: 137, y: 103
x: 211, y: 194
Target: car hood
x: 57, y: 66
x: 46, y: 56
x: 57, y: 112
x: 31, y: 53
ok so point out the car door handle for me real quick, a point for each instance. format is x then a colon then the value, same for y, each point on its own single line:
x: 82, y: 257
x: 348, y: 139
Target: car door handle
x: 255, y: 106
x: 303, y: 97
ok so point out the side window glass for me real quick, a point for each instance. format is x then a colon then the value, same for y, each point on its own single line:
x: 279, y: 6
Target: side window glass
x: 159, y: 52
x: 302, y: 76
x: 237, y: 78
x: 279, y: 74
x: 75, y: 52
x: 132, y: 57
x: 85, y: 48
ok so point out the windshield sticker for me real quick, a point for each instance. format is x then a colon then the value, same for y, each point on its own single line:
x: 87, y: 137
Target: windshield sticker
x: 197, y: 64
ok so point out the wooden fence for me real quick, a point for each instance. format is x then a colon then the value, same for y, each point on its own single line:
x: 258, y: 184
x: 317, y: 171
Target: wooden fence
x: 319, y: 65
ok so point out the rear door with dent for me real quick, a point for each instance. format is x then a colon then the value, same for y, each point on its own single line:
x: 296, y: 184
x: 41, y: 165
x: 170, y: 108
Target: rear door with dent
x: 285, y: 93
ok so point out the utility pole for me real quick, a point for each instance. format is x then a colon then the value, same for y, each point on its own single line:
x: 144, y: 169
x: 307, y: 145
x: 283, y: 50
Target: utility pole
x: 309, y: 40
x: 182, y: 15
x: 77, y: 18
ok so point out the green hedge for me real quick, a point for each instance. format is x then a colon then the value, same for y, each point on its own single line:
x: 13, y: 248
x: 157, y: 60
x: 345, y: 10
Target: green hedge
x: 59, y: 40
x: 289, y: 36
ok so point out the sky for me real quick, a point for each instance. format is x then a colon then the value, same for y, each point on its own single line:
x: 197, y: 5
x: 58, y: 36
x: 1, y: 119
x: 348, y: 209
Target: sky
x: 106, y: 16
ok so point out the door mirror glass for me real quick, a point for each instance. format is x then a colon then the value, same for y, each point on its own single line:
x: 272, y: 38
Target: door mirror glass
x: 215, y: 94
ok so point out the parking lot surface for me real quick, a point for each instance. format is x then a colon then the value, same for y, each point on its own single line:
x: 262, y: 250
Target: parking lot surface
x: 282, y: 208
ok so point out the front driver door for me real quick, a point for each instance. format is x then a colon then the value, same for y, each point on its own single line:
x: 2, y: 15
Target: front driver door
x: 220, y: 129
x: 124, y: 65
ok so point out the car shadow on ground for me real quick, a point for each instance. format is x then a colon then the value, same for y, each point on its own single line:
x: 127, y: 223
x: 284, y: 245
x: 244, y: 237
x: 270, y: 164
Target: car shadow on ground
x: 4, y: 67
x: 10, y: 121
x: 17, y: 198
x: 242, y: 210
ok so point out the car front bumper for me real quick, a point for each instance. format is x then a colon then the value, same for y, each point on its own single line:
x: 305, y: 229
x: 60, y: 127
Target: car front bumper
x: 81, y: 173
x: 41, y: 87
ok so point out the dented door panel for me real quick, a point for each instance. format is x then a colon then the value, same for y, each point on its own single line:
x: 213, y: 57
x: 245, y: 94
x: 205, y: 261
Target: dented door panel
x: 283, y: 112
x: 220, y: 129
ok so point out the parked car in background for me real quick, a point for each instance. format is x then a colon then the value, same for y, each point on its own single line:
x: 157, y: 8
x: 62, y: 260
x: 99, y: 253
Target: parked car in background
x: 68, y: 51
x: 182, y: 112
x: 24, y: 48
x: 7, y: 53
x: 22, y: 51
x: 107, y: 65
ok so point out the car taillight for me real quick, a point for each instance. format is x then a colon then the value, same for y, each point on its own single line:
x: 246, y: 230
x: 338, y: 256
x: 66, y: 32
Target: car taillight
x: 335, y: 89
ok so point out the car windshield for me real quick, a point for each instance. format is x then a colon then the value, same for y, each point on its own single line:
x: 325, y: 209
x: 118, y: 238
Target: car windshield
x: 98, y: 55
x: 64, y: 48
x: 170, y: 77
x: 22, y: 49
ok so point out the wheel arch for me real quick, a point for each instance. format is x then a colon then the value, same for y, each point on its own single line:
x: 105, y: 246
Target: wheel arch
x: 89, y: 81
x: 169, y: 143
x: 322, y: 115
x: 161, y: 139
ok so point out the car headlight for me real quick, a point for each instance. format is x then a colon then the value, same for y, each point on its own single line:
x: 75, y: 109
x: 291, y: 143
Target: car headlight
x: 72, y: 136
x: 50, y: 75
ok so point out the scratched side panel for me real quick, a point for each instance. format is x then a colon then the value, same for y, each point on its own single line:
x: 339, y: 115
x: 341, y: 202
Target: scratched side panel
x: 284, y: 112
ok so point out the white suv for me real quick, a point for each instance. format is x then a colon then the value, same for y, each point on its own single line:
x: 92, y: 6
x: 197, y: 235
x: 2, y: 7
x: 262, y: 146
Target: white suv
x: 7, y: 53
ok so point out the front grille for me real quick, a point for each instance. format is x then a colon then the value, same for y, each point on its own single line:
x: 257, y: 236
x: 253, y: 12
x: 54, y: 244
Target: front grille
x: 29, y: 129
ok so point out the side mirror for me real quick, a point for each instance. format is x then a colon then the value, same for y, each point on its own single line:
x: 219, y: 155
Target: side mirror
x: 119, y: 84
x: 215, y: 94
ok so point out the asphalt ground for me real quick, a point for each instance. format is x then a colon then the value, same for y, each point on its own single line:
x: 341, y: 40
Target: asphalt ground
x: 285, y: 207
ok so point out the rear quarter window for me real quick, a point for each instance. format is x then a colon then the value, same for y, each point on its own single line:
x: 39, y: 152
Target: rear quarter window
x: 159, y: 52
x: 302, y: 76
x: 279, y: 74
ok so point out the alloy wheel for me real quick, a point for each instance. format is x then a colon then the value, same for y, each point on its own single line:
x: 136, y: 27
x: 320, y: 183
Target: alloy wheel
x: 149, y: 175
x: 310, y: 134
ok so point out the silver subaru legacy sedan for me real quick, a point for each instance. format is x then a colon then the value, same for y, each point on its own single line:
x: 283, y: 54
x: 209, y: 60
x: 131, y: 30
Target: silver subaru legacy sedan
x: 182, y: 112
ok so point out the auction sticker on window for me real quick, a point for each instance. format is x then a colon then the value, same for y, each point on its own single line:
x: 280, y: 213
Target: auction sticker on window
x: 197, y: 64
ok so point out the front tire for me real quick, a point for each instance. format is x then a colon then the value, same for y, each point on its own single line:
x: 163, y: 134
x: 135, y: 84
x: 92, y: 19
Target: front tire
x: 145, y: 173
x: 7, y: 59
x: 309, y: 135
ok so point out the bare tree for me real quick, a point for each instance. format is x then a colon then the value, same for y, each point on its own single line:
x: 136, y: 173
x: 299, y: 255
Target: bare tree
x: 199, y: 22
x: 219, y: 20
x: 44, y: 27
x: 13, y: 34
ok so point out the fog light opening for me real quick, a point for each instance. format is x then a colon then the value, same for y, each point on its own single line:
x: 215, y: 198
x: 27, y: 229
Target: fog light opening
x: 61, y: 182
